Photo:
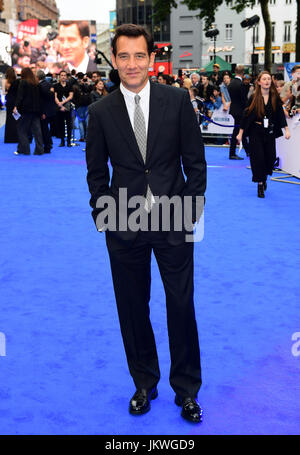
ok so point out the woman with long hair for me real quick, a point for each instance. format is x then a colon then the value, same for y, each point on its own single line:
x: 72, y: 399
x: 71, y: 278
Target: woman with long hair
x: 11, y: 89
x: 28, y: 105
x: 99, y: 91
x: 262, y: 122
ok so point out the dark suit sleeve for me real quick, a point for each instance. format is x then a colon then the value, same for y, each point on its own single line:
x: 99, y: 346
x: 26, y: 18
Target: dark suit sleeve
x: 20, y: 95
x: 97, y: 161
x: 192, y: 152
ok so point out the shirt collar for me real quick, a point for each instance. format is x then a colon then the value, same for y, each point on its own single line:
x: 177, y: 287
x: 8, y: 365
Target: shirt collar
x: 82, y: 67
x: 143, y: 93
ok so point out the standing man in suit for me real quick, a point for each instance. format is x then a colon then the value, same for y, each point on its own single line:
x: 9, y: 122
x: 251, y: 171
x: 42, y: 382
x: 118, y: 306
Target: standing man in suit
x: 237, y: 106
x: 48, y: 109
x: 147, y: 131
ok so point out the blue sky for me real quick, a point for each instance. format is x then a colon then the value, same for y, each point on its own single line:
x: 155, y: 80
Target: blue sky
x: 86, y: 9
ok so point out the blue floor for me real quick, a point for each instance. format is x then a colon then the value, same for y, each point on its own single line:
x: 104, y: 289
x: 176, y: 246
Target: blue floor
x: 65, y: 371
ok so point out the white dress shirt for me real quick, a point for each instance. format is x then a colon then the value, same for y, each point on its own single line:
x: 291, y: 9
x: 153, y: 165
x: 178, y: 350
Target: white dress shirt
x: 82, y: 67
x: 130, y: 103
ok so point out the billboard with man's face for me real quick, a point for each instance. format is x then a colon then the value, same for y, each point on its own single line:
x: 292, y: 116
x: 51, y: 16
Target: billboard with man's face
x: 68, y: 47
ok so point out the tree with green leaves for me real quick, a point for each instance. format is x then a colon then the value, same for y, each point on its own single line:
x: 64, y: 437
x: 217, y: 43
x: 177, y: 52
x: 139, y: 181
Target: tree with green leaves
x: 207, y: 12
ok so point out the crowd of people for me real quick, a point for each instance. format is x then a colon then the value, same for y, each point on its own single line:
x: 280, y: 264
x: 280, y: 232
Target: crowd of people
x: 43, y: 106
x: 46, y: 106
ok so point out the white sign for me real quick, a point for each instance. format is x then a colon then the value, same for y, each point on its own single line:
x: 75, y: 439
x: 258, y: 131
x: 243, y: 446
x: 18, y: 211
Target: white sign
x: 222, y: 118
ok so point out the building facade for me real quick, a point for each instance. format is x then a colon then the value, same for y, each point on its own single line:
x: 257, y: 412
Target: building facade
x: 186, y: 38
x: 37, y: 9
x: 191, y: 49
x: 103, y: 45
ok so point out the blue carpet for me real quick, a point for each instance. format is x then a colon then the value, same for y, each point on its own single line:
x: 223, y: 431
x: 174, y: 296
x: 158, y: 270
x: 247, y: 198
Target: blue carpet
x: 65, y: 370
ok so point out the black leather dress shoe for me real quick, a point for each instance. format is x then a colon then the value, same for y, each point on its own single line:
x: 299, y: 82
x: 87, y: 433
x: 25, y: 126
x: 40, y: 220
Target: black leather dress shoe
x: 191, y: 409
x: 260, y: 190
x: 235, y: 157
x: 265, y: 185
x: 140, y: 402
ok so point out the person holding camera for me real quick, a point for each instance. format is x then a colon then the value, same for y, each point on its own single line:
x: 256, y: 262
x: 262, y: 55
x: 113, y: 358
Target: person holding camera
x: 262, y: 122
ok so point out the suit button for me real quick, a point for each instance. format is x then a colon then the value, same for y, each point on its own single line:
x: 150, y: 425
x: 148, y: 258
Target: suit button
x: 147, y: 171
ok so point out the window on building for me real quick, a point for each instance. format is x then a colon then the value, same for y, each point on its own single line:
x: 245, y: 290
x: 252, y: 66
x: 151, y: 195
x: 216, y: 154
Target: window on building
x: 186, y: 18
x: 273, y: 32
x: 228, y: 58
x: 286, y: 57
x: 228, y: 32
x: 272, y: 2
x: 287, y: 32
x: 273, y: 57
x: 186, y: 32
x: 288, y: 2
x: 186, y: 46
x: 185, y: 61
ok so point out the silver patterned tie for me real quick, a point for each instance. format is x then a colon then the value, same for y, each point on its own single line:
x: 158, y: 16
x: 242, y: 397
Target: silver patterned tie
x: 141, y: 138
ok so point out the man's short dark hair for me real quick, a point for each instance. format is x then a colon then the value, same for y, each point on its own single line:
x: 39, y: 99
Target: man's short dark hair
x: 63, y: 71
x: 134, y: 31
x: 83, y: 27
x: 80, y: 75
x: 279, y: 76
x: 40, y: 75
x: 295, y: 68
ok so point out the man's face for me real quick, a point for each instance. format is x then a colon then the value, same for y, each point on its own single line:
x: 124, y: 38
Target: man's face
x: 133, y: 61
x: 72, y: 46
x: 194, y: 79
x: 216, y: 69
x: 204, y: 80
x: 63, y: 77
x: 296, y: 75
x: 95, y: 78
x: 226, y: 79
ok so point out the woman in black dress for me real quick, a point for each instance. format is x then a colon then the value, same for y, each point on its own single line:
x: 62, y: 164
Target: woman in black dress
x: 28, y: 105
x: 262, y: 122
x: 11, y: 87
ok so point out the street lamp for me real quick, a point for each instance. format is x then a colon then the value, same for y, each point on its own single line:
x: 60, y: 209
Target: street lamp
x: 212, y: 33
x: 251, y: 22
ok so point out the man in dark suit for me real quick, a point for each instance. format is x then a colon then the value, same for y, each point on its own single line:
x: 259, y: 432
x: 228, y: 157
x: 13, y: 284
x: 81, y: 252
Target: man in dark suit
x: 237, y: 106
x: 147, y: 130
x: 48, y: 109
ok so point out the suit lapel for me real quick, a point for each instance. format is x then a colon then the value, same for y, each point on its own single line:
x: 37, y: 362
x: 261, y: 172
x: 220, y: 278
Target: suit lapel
x: 156, y: 115
x: 121, y: 117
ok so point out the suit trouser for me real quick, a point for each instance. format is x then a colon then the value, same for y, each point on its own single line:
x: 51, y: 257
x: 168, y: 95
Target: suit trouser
x: 131, y: 272
x: 30, y: 123
x: 235, y: 132
x: 47, y: 139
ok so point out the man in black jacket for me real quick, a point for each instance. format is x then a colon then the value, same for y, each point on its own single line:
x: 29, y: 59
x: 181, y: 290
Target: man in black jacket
x: 237, y: 106
x: 81, y: 100
x: 147, y: 130
x: 48, y: 109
